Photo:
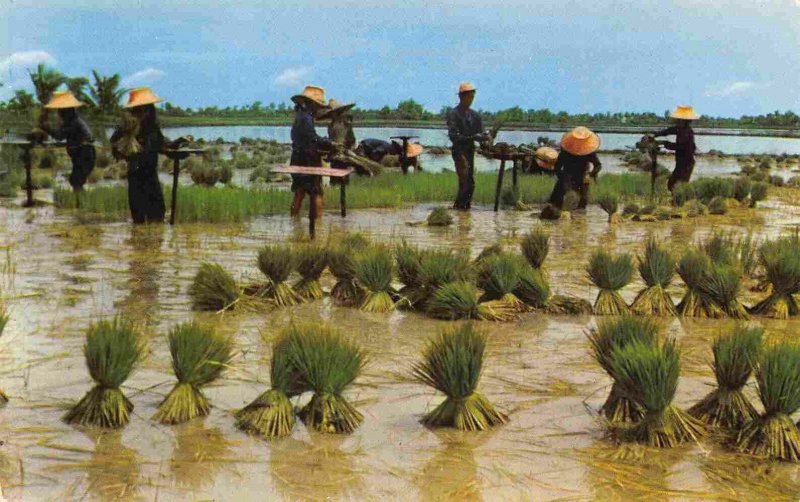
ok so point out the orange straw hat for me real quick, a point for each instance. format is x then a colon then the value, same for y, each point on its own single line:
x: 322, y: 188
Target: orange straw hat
x: 142, y: 96
x: 63, y: 99
x: 335, y: 107
x: 413, y: 149
x: 684, y: 112
x: 580, y: 141
x: 466, y: 87
x: 546, y: 157
x: 311, y: 94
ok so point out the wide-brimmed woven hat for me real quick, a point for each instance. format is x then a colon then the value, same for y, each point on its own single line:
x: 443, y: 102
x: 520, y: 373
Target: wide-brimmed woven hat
x: 466, y: 87
x: 141, y: 96
x: 546, y: 157
x: 580, y: 141
x: 684, y: 112
x: 311, y: 94
x: 413, y: 149
x: 335, y: 107
x: 63, y: 99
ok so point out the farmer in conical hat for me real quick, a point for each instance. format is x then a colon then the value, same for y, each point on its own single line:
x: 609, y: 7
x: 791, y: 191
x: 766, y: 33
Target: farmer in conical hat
x: 145, y: 197
x: 307, y: 146
x: 576, y: 162
x: 340, y: 132
x: 683, y: 146
x: 74, y: 130
x: 465, y: 127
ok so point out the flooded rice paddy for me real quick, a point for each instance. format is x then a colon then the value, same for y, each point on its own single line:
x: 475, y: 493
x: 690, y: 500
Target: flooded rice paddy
x: 59, y: 276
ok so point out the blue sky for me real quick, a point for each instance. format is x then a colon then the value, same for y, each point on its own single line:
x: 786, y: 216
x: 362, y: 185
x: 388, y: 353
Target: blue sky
x: 725, y: 57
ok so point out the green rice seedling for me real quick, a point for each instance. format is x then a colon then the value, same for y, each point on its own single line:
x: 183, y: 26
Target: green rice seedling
x: 199, y: 356
x: 343, y: 266
x: 717, y: 206
x: 408, y: 260
x: 213, y: 288
x: 373, y: 268
x: 355, y: 241
x: 610, y: 274
x: 451, y: 363
x: 437, y: 268
x: 781, y: 263
x: 271, y: 414
x: 461, y: 300
x: 656, y: 267
x: 682, y: 194
x: 648, y: 375
x: 311, y: 262
x: 328, y: 363
x: 759, y: 177
x: 611, y: 334
x: 608, y: 203
x: 488, y: 251
x: 741, y: 189
x: 746, y: 250
x: 720, y: 248
x: 773, y: 434
x: 498, y: 277
x: 734, y: 356
x: 568, y: 305
x: 793, y: 182
x: 722, y: 284
x: 276, y: 262
x: 535, y: 246
x: 758, y: 192
x: 631, y: 209
x: 533, y: 288
x: 439, y: 217
x: 112, y: 350
x: 694, y: 267
x: 662, y: 213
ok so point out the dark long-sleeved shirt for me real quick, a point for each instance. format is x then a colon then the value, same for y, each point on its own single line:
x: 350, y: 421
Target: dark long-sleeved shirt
x: 684, y: 145
x: 462, y: 126
x: 304, y: 137
x: 576, y: 165
x: 75, y: 132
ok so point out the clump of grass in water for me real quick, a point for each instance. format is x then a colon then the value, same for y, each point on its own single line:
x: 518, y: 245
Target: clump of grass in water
x: 328, y: 363
x: 781, y: 263
x: 610, y: 274
x: 271, y: 414
x: 461, y: 300
x: 741, y: 189
x: 452, y: 363
x: 311, y: 262
x: 491, y: 249
x: 612, y: 334
x: 374, y: 272
x: 682, y: 194
x: 694, y: 268
x: 773, y: 434
x: 112, y: 350
x: 722, y: 284
x: 439, y: 217
x: 648, y: 373
x: 213, y: 289
x: 656, y: 267
x: 199, y: 355
x: 533, y: 288
x: 610, y: 204
x: 277, y: 262
x: 734, y: 356
x: 498, y: 277
x: 758, y: 192
x: 535, y: 246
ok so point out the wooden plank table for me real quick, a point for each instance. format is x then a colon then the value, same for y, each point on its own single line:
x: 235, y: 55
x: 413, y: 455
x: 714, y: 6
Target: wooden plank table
x: 178, y: 154
x: 27, y: 159
x: 515, y: 157
x: 319, y: 172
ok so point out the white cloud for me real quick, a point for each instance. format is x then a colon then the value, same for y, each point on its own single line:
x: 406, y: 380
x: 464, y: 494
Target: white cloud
x: 24, y: 60
x: 735, y: 88
x: 146, y: 76
x: 292, y: 77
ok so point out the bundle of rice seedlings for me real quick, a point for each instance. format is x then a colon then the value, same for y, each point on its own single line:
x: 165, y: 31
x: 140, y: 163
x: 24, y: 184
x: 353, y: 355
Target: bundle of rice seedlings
x: 342, y: 265
x: 311, y: 262
x: 452, y: 363
x: 498, y: 277
x: 776, y: 180
x: 610, y: 335
x: 781, y: 263
x: 631, y: 209
x: 461, y: 300
x: 610, y: 274
x: 734, y: 357
x: 213, y: 288
x: 696, y: 208
x: 720, y: 248
x: 758, y: 192
x: 271, y: 414
x: 329, y: 363
x: 662, y: 213
x: 535, y: 246
x: 112, y: 350
x: 694, y: 267
x: 355, y: 241
x: 773, y: 434
x: 277, y: 262
x: 373, y: 268
x: 656, y: 268
x: 533, y: 288
x: 439, y: 217
x: 682, y: 193
x: 127, y: 145
x: 409, y: 261
x: 722, y: 285
x: 550, y: 212
x: 437, y: 268
x: 568, y: 305
x: 199, y: 355
x: 609, y: 203
x: 647, y: 374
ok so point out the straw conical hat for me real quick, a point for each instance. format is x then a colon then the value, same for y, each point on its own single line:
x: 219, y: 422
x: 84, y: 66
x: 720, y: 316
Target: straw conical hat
x: 580, y: 141
x: 466, y: 87
x: 413, y: 149
x: 142, y: 96
x: 335, y: 107
x: 546, y: 157
x: 311, y: 94
x: 684, y: 112
x: 63, y: 99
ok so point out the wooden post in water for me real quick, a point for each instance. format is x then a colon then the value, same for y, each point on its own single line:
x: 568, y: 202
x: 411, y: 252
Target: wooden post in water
x: 653, y: 172
x: 27, y: 159
x: 499, y: 184
x: 343, y: 198
x: 514, y: 175
x: 176, y: 169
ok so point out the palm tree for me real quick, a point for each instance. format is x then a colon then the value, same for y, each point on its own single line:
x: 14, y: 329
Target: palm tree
x: 106, y: 92
x: 22, y: 101
x: 77, y: 86
x: 46, y: 80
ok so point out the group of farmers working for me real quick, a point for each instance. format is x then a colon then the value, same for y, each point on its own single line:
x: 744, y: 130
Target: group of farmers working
x: 139, y: 141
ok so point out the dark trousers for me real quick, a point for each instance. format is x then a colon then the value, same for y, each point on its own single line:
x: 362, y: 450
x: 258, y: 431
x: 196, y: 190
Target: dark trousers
x: 681, y: 174
x: 465, y: 169
x: 83, y: 159
x: 145, y: 197
x: 567, y: 182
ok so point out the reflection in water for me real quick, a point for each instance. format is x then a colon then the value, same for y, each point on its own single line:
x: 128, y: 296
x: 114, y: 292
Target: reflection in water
x: 452, y: 472
x: 143, y: 274
x: 198, y: 453
x: 749, y: 478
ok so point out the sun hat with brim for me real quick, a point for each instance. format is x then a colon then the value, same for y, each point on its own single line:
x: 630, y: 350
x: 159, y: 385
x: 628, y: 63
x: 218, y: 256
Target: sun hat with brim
x: 61, y: 100
x: 142, y: 96
x: 546, y: 157
x: 413, y: 149
x: 466, y: 87
x: 580, y: 141
x: 684, y: 112
x: 335, y: 107
x: 311, y: 94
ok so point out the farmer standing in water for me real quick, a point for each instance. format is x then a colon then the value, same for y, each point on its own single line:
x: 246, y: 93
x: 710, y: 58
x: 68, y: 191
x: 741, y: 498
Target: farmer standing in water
x: 306, y: 146
x: 465, y: 127
x: 683, y: 146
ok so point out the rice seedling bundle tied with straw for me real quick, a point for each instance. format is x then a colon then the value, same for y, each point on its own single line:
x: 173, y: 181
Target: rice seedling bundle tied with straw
x: 610, y: 274
x: 734, y: 356
x: 499, y: 277
x: 612, y: 334
x: 311, y: 262
x: 452, y: 363
x: 781, y: 262
x: 533, y: 288
x: 277, y: 262
x: 648, y: 375
x: 722, y: 285
x: 374, y: 270
x: 343, y: 266
x: 408, y: 260
x: 213, y: 289
x: 112, y: 350
x: 437, y: 268
x: 461, y: 300
x: 693, y: 268
x: 199, y: 356
x: 773, y: 434
x: 535, y: 246
x: 656, y: 267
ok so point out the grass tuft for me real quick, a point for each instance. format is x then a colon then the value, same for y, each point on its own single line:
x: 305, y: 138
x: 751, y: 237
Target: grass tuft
x: 374, y: 270
x: 535, y: 246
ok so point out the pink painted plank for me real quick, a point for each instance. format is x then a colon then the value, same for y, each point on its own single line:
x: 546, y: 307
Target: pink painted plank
x: 314, y: 171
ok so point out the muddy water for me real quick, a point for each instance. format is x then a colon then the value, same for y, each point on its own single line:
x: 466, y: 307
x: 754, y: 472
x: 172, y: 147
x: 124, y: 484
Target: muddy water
x: 58, y: 277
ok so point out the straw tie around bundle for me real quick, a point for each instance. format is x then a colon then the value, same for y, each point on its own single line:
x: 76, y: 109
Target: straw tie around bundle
x: 277, y: 262
x: 311, y: 262
x: 656, y: 267
x: 499, y: 277
x: 610, y: 274
x: 213, y: 289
